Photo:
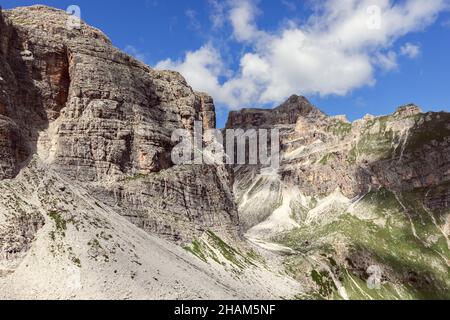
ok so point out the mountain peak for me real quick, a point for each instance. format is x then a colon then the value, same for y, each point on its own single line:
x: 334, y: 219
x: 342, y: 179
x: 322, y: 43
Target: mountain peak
x: 298, y: 106
x: 408, y: 110
x: 51, y: 22
x: 296, y: 98
x: 285, y: 114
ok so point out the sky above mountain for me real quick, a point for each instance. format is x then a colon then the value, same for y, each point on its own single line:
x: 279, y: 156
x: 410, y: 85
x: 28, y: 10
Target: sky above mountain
x: 348, y: 57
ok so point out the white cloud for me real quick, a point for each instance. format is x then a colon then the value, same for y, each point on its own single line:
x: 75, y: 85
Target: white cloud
x: 410, y: 50
x: 337, y: 50
x: 242, y: 17
x: 387, y: 61
x: 201, y: 68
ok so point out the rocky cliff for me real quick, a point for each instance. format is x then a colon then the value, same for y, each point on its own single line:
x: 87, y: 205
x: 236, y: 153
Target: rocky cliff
x: 322, y: 154
x: 79, y: 118
x: 91, y: 205
x: 350, y: 198
x: 104, y: 119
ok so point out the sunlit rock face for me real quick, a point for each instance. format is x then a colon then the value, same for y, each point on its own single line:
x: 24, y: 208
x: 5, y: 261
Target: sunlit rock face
x: 351, y: 197
x: 104, y: 120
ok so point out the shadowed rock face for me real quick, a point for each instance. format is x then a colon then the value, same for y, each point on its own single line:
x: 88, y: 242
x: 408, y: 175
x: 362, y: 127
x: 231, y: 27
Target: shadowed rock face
x: 12, y: 148
x: 285, y: 114
x: 105, y: 120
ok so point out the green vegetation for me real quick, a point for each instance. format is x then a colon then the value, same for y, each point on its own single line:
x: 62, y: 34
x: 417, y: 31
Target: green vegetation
x: 415, y: 268
x: 94, y: 243
x: 228, y: 252
x: 60, y: 223
x: 352, y: 156
x: 435, y: 128
x: 357, y: 289
x: 214, y: 248
x: 378, y: 144
x: 325, y: 283
x: 376, y: 141
x: 252, y: 255
x: 137, y: 176
x: 326, y: 159
x: 340, y: 129
x: 298, y: 212
x: 198, y: 249
x: 76, y: 261
x: 97, y: 250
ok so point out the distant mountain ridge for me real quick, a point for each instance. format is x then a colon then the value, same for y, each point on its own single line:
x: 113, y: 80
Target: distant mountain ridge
x: 353, y: 197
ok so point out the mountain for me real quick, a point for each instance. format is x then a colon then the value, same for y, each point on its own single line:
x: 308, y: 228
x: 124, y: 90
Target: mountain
x: 105, y: 120
x: 353, y: 202
x: 93, y: 207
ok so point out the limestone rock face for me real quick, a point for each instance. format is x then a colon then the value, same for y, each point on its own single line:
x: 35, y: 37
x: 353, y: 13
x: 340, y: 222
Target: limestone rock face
x: 320, y: 154
x: 105, y: 120
x: 353, y: 201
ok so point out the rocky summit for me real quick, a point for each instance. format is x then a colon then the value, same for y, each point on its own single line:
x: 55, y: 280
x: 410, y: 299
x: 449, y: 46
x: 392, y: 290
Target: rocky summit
x: 92, y: 206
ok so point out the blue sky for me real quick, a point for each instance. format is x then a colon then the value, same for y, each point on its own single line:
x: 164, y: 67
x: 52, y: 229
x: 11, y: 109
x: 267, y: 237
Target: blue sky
x: 348, y: 57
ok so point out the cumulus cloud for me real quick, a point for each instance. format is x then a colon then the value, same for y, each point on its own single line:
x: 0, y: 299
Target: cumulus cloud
x: 201, y: 68
x: 410, y: 50
x: 387, y: 61
x: 242, y: 17
x: 338, y: 49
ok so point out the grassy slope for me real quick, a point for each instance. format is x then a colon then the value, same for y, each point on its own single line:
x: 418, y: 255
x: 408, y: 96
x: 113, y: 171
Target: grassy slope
x: 394, y: 231
x: 416, y: 268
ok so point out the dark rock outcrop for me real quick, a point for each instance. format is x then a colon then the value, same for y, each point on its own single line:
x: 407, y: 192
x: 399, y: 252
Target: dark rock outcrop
x: 285, y: 114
